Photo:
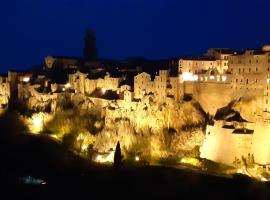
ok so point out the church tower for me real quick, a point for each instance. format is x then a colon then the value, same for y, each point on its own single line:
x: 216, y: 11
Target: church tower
x: 90, y: 51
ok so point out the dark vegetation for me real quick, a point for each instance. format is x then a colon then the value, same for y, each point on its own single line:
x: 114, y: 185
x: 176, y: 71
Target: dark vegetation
x: 70, y: 176
x: 117, y: 157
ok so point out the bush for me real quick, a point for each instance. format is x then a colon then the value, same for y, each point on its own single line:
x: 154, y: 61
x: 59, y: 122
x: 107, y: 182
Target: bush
x: 68, y: 121
x: 69, y: 140
x: 117, y: 156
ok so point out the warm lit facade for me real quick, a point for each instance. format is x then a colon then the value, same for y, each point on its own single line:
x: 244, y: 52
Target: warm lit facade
x: 215, y: 58
x: 162, y: 85
x: 214, y: 81
x: 82, y: 84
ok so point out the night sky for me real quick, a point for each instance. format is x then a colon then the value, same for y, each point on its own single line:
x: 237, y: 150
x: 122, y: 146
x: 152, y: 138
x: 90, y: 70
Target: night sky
x: 32, y: 29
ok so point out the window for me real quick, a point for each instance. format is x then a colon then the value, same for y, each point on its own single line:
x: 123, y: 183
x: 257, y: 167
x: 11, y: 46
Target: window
x: 247, y: 81
x: 249, y: 70
x: 239, y: 70
x: 249, y: 61
x: 257, y: 61
x: 256, y: 69
x: 266, y: 101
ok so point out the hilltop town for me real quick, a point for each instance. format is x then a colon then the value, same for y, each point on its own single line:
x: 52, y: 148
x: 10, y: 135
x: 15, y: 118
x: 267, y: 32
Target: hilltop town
x: 227, y: 90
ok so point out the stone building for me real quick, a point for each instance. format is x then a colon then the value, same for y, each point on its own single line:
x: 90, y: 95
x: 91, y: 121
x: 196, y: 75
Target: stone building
x: 227, y: 142
x: 142, y: 85
x: 87, y: 84
x: 222, y: 56
x: 162, y: 85
x: 4, y: 91
x: 215, y: 58
x: 250, y: 71
x: 63, y: 61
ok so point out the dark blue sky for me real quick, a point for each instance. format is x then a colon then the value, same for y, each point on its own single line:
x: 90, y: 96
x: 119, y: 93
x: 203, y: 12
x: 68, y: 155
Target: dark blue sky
x: 32, y: 29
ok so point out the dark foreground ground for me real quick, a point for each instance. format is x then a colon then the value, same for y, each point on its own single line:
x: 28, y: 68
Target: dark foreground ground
x: 70, y: 177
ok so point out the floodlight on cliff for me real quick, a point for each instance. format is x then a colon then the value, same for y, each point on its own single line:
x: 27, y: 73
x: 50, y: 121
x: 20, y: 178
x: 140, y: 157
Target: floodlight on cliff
x: 37, y: 121
x: 67, y: 85
x: 103, y: 90
x: 99, y: 158
x: 137, y: 158
x: 26, y: 79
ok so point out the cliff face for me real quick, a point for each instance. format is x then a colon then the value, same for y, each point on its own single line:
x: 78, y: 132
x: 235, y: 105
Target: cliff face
x: 149, y: 127
x: 152, y: 128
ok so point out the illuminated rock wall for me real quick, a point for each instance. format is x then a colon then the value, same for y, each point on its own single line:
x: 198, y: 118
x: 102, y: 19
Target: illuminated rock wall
x: 135, y: 123
x: 213, y: 96
x: 223, y: 146
x: 261, y: 142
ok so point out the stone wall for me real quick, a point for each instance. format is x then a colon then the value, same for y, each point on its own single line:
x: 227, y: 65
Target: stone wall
x: 223, y: 146
x: 261, y: 142
x: 213, y: 95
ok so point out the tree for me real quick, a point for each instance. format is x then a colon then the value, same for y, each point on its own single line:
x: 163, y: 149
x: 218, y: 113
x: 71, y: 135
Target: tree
x: 90, y: 151
x: 117, y: 156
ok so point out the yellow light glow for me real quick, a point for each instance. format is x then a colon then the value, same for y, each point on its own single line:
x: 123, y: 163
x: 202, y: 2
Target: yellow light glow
x: 224, y: 78
x: 183, y: 160
x: 187, y: 76
x: 54, y: 136
x: 110, y: 157
x: 263, y: 179
x: 99, y: 158
x: 137, y: 158
x: 84, y: 147
x: 268, y: 81
x: 67, y: 85
x: 106, y: 159
x: 212, y: 77
x: 64, y: 89
x: 240, y: 171
x: 26, y: 79
x: 190, y: 161
x: 37, y: 123
x: 80, y: 137
x: 103, y: 90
